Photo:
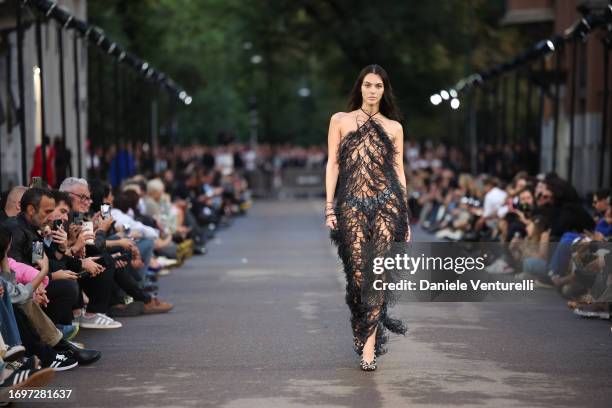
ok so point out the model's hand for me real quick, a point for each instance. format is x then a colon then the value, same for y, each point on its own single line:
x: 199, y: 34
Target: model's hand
x: 331, y: 221
x: 330, y: 216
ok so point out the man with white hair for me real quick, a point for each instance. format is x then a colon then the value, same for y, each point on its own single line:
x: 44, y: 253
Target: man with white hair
x: 79, y: 192
x: 98, y: 288
x: 155, y: 191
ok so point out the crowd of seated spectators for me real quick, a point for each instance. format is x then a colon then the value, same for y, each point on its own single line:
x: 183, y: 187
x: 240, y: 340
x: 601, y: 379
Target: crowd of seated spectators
x: 86, y: 255
x: 552, y: 235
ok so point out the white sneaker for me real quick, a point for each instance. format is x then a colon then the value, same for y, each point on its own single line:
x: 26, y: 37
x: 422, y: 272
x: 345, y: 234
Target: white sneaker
x: 165, y: 262
x: 499, y: 267
x: 97, y: 321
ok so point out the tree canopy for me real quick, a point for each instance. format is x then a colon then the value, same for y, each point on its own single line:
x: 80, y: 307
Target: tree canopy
x: 225, y: 52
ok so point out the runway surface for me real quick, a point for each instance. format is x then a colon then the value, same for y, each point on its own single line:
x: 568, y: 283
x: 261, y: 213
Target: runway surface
x: 260, y: 321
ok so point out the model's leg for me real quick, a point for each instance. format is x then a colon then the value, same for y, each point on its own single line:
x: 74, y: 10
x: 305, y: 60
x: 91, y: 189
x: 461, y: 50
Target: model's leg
x: 381, y: 240
x: 352, y: 225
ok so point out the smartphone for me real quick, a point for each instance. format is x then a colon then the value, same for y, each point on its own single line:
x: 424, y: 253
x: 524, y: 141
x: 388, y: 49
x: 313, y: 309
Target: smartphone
x: 84, y: 274
x: 57, y: 224
x: 37, y: 251
x: 36, y: 182
x: 88, y: 226
x: 105, y: 211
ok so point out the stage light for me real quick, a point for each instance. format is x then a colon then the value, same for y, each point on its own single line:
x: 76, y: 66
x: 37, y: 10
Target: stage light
x: 454, y: 103
x: 256, y: 59
x: 444, y: 94
x: 188, y: 100
x: 435, y: 99
x: 550, y: 45
x: 182, y: 95
x: 453, y: 93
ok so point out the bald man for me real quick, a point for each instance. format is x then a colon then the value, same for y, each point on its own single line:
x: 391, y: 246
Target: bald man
x: 12, y: 207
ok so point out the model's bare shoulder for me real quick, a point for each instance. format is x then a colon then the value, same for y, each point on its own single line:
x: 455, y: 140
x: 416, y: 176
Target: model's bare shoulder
x: 338, y: 117
x: 396, y: 128
x: 395, y: 125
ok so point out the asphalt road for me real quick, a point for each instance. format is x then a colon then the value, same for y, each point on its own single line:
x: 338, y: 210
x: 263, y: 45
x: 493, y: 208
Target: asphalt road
x: 260, y: 321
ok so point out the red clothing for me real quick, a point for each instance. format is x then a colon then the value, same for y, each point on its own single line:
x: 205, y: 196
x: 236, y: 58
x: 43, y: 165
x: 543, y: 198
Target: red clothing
x: 37, y: 167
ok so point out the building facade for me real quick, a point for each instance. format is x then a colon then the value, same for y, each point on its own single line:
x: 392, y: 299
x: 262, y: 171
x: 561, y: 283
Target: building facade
x: 34, y: 92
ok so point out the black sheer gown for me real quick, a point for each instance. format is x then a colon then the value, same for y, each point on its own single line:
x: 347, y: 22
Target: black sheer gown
x: 372, y: 212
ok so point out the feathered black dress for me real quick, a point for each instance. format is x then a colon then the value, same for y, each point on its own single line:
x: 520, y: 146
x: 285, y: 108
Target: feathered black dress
x: 372, y: 212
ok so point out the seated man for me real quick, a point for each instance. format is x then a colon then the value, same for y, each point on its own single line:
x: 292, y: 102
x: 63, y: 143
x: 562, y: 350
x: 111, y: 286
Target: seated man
x: 12, y: 206
x: 98, y: 285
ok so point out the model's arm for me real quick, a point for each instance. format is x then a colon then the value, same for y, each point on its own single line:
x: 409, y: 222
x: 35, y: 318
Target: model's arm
x: 331, y: 171
x: 399, y: 158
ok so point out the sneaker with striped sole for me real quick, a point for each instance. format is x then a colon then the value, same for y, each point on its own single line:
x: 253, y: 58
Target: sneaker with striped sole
x: 62, y: 363
x: 97, y: 321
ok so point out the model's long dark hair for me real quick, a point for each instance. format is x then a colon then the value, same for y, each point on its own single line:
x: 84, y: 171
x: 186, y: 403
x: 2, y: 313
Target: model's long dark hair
x: 388, y: 105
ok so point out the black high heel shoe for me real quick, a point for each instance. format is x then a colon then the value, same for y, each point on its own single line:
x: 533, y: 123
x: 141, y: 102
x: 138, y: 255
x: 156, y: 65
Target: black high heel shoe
x: 368, y: 366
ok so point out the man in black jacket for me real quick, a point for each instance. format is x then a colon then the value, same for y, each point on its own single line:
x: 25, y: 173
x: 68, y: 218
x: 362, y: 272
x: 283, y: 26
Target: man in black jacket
x: 36, y: 206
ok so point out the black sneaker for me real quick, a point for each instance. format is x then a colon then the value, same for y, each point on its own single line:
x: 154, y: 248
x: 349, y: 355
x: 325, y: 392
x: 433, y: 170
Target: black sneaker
x: 62, y: 363
x: 27, y: 378
x: 24, y: 363
x: 23, y: 378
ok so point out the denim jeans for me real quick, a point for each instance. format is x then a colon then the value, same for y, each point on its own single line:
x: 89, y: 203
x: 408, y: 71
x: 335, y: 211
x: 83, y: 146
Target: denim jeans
x: 535, y: 267
x: 8, y: 324
x: 145, y: 246
x: 560, y: 261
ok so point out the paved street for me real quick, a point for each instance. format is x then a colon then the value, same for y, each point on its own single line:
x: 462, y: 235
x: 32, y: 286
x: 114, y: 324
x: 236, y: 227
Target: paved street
x: 260, y: 321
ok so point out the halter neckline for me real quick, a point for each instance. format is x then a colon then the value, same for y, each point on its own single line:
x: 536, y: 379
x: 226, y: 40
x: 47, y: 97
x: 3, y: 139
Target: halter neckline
x: 369, y: 116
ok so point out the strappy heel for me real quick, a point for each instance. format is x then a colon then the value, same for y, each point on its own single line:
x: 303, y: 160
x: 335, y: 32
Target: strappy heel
x: 368, y: 366
x: 357, y: 345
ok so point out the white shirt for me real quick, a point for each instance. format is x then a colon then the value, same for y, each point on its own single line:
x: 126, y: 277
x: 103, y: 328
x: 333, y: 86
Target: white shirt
x: 493, y: 200
x: 122, y: 218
